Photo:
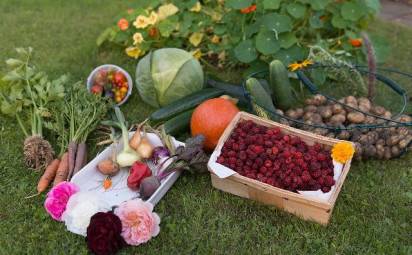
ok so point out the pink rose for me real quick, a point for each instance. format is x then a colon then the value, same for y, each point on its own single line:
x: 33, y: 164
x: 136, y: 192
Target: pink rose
x: 139, y: 222
x: 58, y: 197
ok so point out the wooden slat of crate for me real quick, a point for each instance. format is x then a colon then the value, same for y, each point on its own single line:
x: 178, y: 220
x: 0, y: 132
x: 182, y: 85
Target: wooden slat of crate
x: 305, y: 207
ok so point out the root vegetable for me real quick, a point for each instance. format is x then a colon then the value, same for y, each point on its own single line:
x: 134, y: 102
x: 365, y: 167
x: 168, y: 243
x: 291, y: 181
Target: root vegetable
x: 351, y: 100
x: 363, y: 108
x: 72, y: 158
x: 320, y: 131
x: 325, y: 112
x: 344, y: 135
x: 380, y: 142
x: 316, y: 118
x: 388, y: 153
x: 145, y: 148
x: 395, y: 151
x: 393, y: 140
x: 310, y: 101
x: 402, y: 131
x: 63, y: 169
x: 370, y: 120
x: 404, y: 142
x: 405, y: 118
x: 319, y: 100
x: 291, y: 114
x: 299, y: 112
x: 38, y: 152
x: 280, y: 112
x: 338, y: 119
x: 380, y: 151
x: 108, y: 167
x: 135, y: 140
x: 310, y: 108
x: 48, y: 176
x: 387, y: 115
x: 364, y: 101
x: 337, y: 109
x: 80, y: 154
x: 378, y: 110
x: 308, y: 115
x: 356, y: 117
x: 370, y: 151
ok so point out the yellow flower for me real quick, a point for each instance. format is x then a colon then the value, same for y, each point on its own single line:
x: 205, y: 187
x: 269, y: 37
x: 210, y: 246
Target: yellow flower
x: 166, y: 10
x: 141, y: 22
x: 134, y: 52
x: 300, y: 64
x: 196, y: 8
x: 197, y: 53
x: 138, y: 38
x: 343, y: 151
x: 215, y: 39
x: 152, y: 18
x: 196, y: 38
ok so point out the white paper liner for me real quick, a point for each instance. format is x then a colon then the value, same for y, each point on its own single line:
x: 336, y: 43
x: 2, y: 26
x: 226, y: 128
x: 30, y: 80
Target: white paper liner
x: 223, y: 172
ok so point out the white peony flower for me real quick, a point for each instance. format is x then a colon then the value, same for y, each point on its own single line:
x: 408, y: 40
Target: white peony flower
x: 80, y: 208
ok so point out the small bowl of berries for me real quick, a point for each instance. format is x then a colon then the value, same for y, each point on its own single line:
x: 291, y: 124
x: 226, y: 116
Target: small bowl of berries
x: 110, y: 81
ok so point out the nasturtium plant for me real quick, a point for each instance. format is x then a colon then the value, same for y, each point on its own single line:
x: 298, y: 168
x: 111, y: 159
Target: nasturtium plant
x: 231, y: 32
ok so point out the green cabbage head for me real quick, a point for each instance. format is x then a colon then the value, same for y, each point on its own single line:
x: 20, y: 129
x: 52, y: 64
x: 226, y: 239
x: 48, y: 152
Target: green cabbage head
x: 166, y: 75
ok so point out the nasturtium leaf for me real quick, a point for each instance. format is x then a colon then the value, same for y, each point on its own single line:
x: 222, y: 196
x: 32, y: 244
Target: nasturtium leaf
x: 277, y: 22
x: 318, y: 5
x: 374, y: 5
x: 293, y: 54
x: 266, y: 43
x: 287, y: 40
x: 296, y: 10
x: 351, y: 11
x: 315, y: 21
x: 253, y: 28
x: 166, y: 27
x: 318, y: 76
x: 338, y: 21
x: 238, y: 4
x: 219, y: 29
x: 245, y: 51
x: 271, y: 4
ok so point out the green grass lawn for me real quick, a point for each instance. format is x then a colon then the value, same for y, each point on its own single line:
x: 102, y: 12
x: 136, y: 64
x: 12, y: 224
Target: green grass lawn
x: 372, y: 214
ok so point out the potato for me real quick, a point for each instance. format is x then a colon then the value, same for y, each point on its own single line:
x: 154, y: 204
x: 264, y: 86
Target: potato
x: 378, y: 110
x: 344, y: 135
x: 284, y: 122
x: 280, y: 112
x: 395, y: 151
x: 311, y: 108
x: 319, y: 100
x: 388, y: 153
x: 380, y: 142
x: 325, y: 111
x: 363, y: 108
x: 403, y: 131
x: 353, y: 105
x: 387, y: 115
x: 364, y: 139
x: 356, y: 134
x: 356, y: 117
x: 337, y: 119
x: 380, y: 151
x: 358, y: 149
x: 337, y: 108
x: 404, y: 142
x: 291, y: 114
x: 405, y: 118
x: 320, y: 131
x: 365, y: 102
x: 373, y: 136
x: 370, y: 120
x: 310, y: 101
x: 342, y: 100
x: 316, y: 118
x: 308, y: 115
x: 393, y: 140
x: 351, y: 99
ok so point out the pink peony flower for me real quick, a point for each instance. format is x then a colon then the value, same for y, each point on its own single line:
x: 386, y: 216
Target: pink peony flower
x: 58, y: 197
x: 139, y: 222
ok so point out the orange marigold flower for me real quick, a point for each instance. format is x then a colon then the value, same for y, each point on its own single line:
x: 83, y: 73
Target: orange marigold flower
x: 300, y: 64
x: 153, y: 32
x: 343, y: 151
x: 248, y: 9
x: 107, y: 183
x: 123, y: 24
x: 356, y: 42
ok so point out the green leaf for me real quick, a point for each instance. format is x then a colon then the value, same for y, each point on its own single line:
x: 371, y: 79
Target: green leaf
x: 318, y: 5
x: 315, y: 21
x: 107, y: 35
x: 7, y: 108
x: 374, y: 5
x: 220, y: 29
x: 13, y: 63
x: 296, y: 10
x: 245, y: 51
x: 253, y: 28
x: 338, y: 21
x: 266, y: 42
x: 166, y: 27
x: 277, y: 22
x: 238, y: 4
x: 318, y: 75
x: 293, y: 54
x: 287, y: 40
x: 351, y: 11
x: 271, y: 4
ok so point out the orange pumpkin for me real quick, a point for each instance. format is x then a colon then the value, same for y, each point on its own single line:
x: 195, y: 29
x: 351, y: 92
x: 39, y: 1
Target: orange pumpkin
x: 211, y: 118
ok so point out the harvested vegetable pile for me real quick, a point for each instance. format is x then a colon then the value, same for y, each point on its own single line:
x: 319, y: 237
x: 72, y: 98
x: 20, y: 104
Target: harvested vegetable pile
x: 380, y: 143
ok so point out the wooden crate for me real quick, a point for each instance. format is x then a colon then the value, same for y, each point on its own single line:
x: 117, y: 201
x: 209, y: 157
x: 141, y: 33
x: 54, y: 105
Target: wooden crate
x: 305, y: 207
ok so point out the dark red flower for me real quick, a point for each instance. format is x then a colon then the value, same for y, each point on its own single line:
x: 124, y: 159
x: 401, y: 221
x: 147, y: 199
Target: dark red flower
x: 104, y: 234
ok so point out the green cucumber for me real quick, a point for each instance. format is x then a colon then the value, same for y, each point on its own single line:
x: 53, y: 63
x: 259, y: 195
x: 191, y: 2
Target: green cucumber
x: 184, y: 104
x: 179, y: 123
x: 232, y: 90
x: 280, y: 85
x: 261, y: 100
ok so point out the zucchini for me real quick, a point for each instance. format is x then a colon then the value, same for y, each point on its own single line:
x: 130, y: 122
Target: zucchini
x: 261, y: 100
x: 229, y: 89
x: 280, y: 85
x: 184, y: 104
x: 179, y: 123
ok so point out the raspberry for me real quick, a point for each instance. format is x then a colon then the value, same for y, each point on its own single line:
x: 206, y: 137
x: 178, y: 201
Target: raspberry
x: 329, y: 181
x: 235, y: 147
x: 242, y: 155
x: 251, y: 175
x: 249, y: 162
x: 239, y: 162
x: 275, y: 150
x: 321, y: 157
x: 259, y: 161
x: 220, y: 160
x: 247, y: 168
x: 315, y: 166
x: 259, y: 175
x: 268, y: 144
x: 320, y: 180
x: 231, y: 153
x: 315, y: 174
x: 286, y: 138
x: 268, y: 163
x: 326, y: 189
x: 263, y: 170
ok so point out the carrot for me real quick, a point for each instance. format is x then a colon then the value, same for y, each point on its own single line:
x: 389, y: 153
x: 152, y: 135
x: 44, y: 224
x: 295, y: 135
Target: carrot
x: 63, y: 170
x: 48, y: 176
x: 80, y: 154
x: 71, y: 157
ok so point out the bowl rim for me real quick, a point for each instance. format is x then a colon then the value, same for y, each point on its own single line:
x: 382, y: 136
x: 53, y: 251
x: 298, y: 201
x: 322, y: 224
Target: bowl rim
x: 118, y: 68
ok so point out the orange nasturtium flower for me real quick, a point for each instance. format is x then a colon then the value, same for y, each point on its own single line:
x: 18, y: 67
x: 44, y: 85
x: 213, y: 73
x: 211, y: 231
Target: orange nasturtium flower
x: 343, y: 151
x: 123, y: 24
x: 107, y: 183
x: 153, y: 32
x: 356, y: 42
x: 300, y: 64
x: 248, y: 9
